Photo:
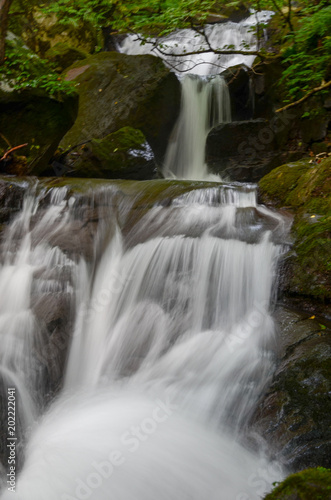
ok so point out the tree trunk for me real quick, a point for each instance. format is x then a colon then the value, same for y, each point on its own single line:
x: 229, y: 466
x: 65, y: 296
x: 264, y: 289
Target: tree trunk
x: 4, y: 12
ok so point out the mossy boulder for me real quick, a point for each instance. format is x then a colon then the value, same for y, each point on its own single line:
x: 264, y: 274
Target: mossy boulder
x: 305, y: 189
x: 309, y: 484
x: 294, y: 414
x: 34, y: 118
x: 42, y: 32
x: 63, y: 55
x: 124, y: 154
x: 116, y: 91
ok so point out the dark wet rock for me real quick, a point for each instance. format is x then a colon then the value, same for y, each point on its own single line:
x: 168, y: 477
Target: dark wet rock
x: 11, y: 200
x: 116, y: 91
x: 246, y: 150
x: 235, y: 13
x: 238, y: 80
x: 31, y: 117
x: 294, y: 414
x: 54, y: 314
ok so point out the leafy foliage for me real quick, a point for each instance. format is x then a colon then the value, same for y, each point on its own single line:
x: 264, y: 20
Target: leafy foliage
x: 309, y: 53
x: 305, y: 43
x: 24, y: 69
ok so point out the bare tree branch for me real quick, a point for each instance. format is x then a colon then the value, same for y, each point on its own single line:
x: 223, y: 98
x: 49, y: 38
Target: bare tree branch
x: 305, y: 97
x: 13, y: 149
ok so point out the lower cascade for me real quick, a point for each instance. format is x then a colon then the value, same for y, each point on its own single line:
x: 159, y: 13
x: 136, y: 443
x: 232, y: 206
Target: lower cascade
x: 144, y: 385
x: 172, y: 341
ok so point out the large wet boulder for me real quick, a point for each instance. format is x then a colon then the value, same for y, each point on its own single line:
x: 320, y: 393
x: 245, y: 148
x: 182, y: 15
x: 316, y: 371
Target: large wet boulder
x: 294, y: 414
x: 31, y: 117
x: 305, y: 189
x: 241, y: 97
x: 116, y: 91
x: 246, y: 150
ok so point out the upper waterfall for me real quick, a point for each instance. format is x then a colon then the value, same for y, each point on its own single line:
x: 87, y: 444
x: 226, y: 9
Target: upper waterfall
x: 205, y: 99
x: 205, y: 104
x: 240, y: 36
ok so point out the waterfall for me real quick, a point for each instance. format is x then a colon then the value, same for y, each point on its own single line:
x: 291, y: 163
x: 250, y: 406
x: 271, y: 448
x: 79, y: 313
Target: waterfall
x: 205, y: 104
x: 165, y: 291
x: 220, y: 36
x: 172, y: 343
x: 205, y: 98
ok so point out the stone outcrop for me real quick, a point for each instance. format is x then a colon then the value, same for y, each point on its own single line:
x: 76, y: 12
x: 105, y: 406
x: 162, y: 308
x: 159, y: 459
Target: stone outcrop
x: 246, y: 150
x: 305, y: 189
x: 294, y: 415
x: 116, y: 91
x: 124, y: 154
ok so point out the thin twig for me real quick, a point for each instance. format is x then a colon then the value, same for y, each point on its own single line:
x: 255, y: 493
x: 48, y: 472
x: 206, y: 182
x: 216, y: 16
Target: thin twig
x: 13, y: 149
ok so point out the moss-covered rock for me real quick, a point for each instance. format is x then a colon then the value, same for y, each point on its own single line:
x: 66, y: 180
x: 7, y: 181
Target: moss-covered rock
x: 34, y: 118
x: 63, y: 55
x: 124, y: 154
x: 310, y: 484
x: 305, y: 189
x: 117, y: 90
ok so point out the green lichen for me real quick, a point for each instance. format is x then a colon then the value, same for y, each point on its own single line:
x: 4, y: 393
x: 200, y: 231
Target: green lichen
x: 310, y: 484
x: 305, y: 189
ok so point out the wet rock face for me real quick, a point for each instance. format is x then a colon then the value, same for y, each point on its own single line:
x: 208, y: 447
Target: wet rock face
x: 294, y: 415
x: 238, y: 81
x: 117, y: 90
x: 246, y: 150
x: 11, y: 200
x: 30, y: 117
x: 305, y: 189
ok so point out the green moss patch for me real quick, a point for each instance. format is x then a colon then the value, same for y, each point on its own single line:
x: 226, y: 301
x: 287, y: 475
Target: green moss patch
x: 310, y: 484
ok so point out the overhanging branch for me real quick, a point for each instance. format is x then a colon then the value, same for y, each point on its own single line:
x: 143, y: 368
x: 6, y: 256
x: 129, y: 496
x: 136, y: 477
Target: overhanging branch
x: 305, y: 97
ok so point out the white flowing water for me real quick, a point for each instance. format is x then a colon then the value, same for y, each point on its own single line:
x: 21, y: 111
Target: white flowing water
x: 172, y: 340
x: 223, y: 36
x: 171, y: 349
x: 205, y: 100
x: 205, y: 104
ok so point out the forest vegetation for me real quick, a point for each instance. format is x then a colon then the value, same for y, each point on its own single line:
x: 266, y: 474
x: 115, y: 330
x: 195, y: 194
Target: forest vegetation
x: 302, y: 38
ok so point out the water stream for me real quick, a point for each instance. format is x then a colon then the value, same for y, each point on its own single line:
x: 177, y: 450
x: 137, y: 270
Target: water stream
x: 172, y: 345
x: 172, y: 336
